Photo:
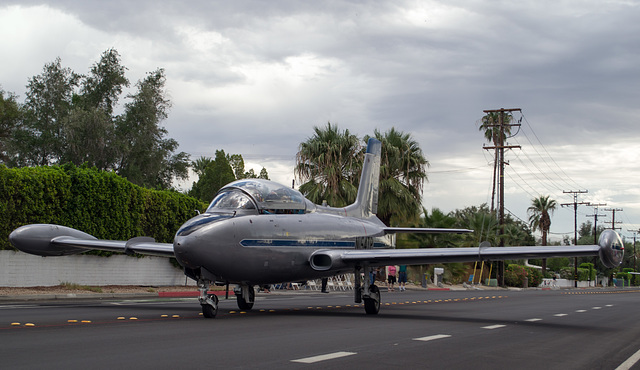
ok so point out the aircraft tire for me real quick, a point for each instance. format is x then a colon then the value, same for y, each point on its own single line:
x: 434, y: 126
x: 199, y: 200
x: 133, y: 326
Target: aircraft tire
x: 242, y: 302
x: 372, y: 306
x: 209, y: 311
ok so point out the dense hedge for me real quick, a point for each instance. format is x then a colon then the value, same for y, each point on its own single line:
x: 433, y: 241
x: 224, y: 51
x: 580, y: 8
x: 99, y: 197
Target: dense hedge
x: 96, y: 202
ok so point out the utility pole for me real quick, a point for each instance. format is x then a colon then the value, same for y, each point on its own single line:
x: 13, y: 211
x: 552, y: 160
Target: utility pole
x: 634, y: 248
x: 595, y: 216
x: 500, y: 147
x: 613, y: 220
x: 595, y: 227
x: 575, y: 226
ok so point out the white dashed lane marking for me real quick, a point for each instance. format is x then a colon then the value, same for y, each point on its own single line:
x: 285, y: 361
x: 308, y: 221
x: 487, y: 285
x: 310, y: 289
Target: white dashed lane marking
x: 433, y: 337
x: 334, y: 355
x: 328, y: 356
x: 491, y: 327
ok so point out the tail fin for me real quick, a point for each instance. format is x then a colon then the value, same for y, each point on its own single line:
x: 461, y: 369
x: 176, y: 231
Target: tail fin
x: 366, y: 204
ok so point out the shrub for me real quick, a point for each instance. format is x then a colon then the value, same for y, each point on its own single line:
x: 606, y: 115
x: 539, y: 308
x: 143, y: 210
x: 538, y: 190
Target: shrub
x: 534, y: 275
x: 514, y: 275
x: 100, y: 203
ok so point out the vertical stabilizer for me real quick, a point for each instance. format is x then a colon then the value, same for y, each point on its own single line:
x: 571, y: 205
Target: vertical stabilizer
x: 366, y: 204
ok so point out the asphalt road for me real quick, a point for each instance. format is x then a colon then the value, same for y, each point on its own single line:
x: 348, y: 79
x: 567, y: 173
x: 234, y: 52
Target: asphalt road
x: 594, y: 329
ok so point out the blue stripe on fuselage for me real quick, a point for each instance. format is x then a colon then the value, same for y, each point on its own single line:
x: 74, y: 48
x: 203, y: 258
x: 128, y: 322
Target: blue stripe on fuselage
x: 297, y: 243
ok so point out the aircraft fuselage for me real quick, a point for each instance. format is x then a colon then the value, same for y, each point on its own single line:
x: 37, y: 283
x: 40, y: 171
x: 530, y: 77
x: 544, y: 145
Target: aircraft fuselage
x: 254, y: 248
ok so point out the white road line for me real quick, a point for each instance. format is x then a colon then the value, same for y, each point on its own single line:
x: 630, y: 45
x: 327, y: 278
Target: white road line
x: 533, y: 320
x: 596, y: 308
x: 13, y: 306
x: 328, y: 356
x: 432, y: 337
x: 561, y: 314
x: 581, y: 310
x: 609, y: 305
x: 491, y: 327
x: 630, y: 362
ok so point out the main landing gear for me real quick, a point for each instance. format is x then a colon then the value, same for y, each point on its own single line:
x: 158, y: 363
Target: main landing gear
x: 208, y: 302
x: 245, y: 296
x: 372, y: 301
x: 368, y: 292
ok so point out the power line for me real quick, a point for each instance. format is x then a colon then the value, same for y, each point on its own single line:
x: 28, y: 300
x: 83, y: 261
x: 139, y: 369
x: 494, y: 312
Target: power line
x: 550, y: 157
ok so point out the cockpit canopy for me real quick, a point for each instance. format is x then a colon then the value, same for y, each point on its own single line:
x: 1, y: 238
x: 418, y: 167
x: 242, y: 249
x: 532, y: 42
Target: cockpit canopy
x: 266, y: 196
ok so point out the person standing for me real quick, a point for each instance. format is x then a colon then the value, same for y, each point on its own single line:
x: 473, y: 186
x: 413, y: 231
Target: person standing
x: 402, y: 278
x: 391, y: 277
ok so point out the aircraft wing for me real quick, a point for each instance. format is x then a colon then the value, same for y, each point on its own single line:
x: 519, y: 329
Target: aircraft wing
x: 55, y: 240
x: 610, y: 250
x: 424, y: 230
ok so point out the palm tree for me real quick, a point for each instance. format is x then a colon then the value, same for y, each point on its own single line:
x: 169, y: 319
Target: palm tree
x: 330, y: 163
x: 539, y: 218
x: 490, y: 125
x: 201, y: 164
x: 402, y: 175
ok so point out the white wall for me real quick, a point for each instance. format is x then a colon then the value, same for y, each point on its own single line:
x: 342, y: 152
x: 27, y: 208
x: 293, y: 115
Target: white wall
x: 19, y: 269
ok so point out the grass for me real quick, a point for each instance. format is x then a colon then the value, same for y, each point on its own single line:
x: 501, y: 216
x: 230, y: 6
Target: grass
x: 74, y: 286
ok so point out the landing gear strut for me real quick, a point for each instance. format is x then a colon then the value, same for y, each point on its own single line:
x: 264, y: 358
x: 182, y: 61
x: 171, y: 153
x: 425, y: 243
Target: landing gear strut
x: 245, y: 296
x: 368, y: 292
x: 208, y: 302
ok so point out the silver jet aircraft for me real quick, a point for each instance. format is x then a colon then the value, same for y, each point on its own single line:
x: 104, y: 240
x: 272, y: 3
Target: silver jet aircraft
x: 259, y: 232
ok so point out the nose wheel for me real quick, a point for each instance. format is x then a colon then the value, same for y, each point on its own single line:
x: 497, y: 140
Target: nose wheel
x: 210, y: 307
x: 208, y: 302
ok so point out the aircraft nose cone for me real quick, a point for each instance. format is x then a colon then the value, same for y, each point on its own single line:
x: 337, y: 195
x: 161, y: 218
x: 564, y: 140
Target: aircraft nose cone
x: 183, y: 252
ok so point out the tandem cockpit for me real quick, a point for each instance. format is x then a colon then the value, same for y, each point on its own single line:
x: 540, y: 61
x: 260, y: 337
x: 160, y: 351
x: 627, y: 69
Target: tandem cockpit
x: 259, y: 196
x: 250, y: 197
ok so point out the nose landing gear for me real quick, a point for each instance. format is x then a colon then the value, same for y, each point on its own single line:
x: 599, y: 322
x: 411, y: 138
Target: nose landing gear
x: 208, y: 302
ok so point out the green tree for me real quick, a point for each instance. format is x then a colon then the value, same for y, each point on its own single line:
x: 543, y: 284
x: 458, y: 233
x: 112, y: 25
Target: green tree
x: 145, y: 156
x: 402, y: 175
x: 70, y: 118
x: 237, y: 163
x: 10, y: 115
x: 90, y: 127
x: 40, y: 137
x: 89, y: 137
x: 101, y: 89
x: 216, y: 174
x: 328, y: 164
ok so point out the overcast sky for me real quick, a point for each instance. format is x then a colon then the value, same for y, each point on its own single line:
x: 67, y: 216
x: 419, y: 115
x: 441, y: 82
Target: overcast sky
x: 255, y: 77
